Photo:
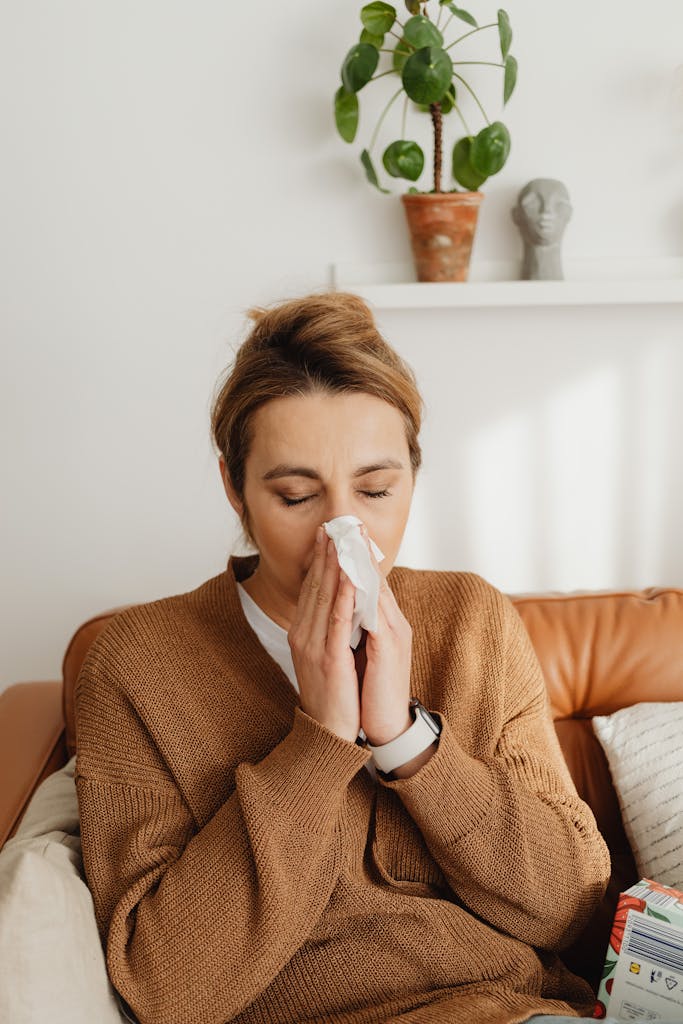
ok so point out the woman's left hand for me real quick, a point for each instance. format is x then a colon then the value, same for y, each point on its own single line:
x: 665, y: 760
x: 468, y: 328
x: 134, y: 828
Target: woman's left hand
x: 385, y: 691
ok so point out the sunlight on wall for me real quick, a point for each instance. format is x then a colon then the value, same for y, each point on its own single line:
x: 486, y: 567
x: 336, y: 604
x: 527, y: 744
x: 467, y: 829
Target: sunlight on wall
x: 580, y: 431
x: 542, y: 485
x: 565, y: 477
x: 499, y: 496
x: 419, y: 547
x: 654, y: 377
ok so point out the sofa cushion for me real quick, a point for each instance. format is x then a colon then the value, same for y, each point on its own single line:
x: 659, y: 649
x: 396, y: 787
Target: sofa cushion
x: 642, y: 744
x: 52, y: 966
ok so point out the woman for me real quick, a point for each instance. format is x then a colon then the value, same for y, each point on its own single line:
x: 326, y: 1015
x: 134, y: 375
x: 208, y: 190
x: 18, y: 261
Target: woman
x: 242, y: 865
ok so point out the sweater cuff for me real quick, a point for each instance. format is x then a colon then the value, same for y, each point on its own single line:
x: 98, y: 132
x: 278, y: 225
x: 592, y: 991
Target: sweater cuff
x: 306, y: 774
x: 451, y: 794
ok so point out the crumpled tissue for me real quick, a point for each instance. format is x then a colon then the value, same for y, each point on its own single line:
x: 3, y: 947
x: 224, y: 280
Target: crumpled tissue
x: 354, y: 559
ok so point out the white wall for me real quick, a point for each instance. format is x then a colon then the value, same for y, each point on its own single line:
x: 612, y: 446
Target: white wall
x: 165, y: 165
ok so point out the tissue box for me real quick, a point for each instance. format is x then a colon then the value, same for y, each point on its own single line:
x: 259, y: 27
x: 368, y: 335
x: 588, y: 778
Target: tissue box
x: 643, y: 972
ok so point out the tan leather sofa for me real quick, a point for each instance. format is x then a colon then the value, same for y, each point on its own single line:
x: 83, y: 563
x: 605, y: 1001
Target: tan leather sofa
x: 599, y: 652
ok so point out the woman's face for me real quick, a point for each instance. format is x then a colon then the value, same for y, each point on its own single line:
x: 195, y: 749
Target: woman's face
x: 314, y: 457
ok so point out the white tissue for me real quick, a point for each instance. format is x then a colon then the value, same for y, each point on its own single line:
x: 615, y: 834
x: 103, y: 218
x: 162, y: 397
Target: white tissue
x: 354, y: 559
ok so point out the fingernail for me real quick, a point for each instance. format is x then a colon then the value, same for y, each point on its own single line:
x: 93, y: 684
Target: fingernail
x: 330, y: 547
x: 319, y: 535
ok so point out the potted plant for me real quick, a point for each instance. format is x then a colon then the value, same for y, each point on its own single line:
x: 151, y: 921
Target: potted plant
x: 441, y: 221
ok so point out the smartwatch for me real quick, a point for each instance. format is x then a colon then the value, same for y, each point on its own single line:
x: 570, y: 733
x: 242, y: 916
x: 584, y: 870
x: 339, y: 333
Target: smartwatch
x: 409, y: 744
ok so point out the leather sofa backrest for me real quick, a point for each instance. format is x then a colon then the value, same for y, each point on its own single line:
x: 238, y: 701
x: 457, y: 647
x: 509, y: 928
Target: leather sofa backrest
x: 603, y: 651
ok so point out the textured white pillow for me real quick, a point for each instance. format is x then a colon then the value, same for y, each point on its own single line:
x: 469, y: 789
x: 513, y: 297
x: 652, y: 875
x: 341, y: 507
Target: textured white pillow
x: 52, y: 966
x: 644, y: 749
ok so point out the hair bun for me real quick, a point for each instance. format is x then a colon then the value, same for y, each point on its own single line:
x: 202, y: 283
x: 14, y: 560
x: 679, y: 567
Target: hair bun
x: 355, y: 305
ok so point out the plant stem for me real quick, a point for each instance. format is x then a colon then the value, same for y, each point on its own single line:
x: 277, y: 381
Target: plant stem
x: 437, y: 121
x: 494, y: 24
x: 473, y: 93
x: 462, y: 118
x: 390, y: 72
x: 382, y: 116
x: 491, y: 63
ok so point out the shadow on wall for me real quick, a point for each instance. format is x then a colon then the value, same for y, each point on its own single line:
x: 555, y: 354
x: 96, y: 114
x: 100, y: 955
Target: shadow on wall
x: 554, y: 462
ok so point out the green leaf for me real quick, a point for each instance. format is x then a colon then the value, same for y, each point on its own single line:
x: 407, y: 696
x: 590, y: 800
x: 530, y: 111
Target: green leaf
x: 413, y: 6
x: 378, y: 17
x: 510, y: 77
x: 608, y: 968
x: 404, y: 159
x: 359, y: 66
x: 402, y: 51
x: 370, y: 39
x: 427, y: 74
x: 370, y: 171
x: 460, y: 13
x: 346, y: 113
x: 505, y: 32
x: 420, y: 31
x: 490, y: 149
x: 447, y: 102
x: 463, y: 171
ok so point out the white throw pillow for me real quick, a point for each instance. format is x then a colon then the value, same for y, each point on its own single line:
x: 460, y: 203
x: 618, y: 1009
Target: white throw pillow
x: 644, y: 749
x: 52, y: 965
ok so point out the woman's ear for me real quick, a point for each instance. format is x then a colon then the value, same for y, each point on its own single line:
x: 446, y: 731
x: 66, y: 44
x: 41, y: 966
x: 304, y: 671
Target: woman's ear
x: 230, y: 491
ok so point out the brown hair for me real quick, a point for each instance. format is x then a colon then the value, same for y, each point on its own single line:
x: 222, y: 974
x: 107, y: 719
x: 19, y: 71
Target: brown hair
x: 322, y: 342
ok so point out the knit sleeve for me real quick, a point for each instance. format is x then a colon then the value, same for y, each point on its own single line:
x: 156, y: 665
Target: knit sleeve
x: 196, y: 922
x: 514, y: 840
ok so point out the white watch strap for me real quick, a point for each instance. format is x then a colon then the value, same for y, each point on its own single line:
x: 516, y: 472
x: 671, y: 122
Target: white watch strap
x: 404, y: 747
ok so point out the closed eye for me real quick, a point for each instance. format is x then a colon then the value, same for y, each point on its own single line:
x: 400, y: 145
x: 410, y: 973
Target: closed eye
x: 292, y: 502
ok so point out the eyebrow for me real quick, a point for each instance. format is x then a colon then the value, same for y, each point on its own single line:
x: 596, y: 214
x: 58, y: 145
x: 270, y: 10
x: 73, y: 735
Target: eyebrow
x: 283, y: 470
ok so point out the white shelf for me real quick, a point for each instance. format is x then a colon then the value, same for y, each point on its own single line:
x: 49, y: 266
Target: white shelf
x: 393, y: 286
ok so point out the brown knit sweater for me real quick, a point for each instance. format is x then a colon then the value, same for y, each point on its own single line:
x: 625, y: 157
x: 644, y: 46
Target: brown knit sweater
x: 243, y: 868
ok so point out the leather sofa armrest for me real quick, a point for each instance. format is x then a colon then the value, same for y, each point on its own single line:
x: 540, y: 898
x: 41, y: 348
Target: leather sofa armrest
x: 32, y: 746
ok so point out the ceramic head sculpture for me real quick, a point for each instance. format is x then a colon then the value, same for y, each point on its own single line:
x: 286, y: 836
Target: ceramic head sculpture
x: 541, y: 214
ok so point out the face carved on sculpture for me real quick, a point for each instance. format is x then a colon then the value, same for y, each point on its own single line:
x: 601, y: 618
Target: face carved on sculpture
x: 314, y: 457
x: 542, y: 211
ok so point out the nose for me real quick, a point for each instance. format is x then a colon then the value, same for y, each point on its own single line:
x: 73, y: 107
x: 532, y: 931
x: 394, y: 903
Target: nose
x: 339, y: 503
x: 340, y: 510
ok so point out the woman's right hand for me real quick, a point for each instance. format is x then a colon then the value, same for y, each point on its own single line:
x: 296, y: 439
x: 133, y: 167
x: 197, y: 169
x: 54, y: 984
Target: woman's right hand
x: 320, y: 639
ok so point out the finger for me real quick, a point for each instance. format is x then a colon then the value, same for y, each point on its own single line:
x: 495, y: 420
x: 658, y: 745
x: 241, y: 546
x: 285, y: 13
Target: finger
x: 313, y: 578
x: 341, y: 617
x: 388, y: 607
x: 387, y: 602
x: 323, y: 600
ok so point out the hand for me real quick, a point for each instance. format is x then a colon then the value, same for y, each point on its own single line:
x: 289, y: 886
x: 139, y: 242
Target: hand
x: 320, y: 639
x: 385, y: 692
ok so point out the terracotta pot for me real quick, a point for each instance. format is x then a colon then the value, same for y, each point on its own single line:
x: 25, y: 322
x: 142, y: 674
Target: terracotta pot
x: 442, y: 226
